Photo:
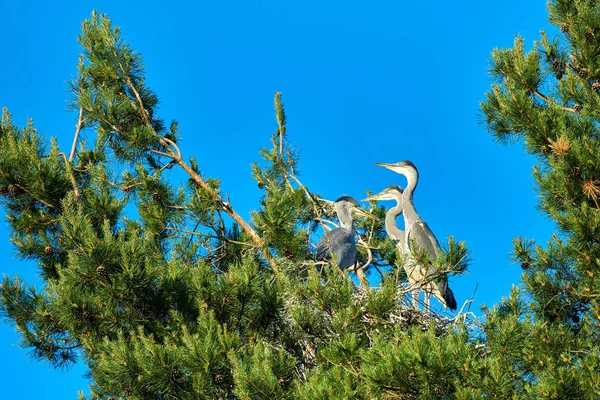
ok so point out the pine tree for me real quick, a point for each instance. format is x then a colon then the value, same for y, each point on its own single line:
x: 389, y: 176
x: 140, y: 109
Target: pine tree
x: 548, y: 96
x: 183, y: 298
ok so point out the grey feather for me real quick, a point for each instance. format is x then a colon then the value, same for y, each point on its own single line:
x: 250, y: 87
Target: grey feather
x: 337, y: 244
x: 421, y: 235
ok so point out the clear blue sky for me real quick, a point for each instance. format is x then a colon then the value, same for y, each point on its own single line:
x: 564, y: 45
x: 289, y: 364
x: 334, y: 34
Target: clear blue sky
x: 362, y: 82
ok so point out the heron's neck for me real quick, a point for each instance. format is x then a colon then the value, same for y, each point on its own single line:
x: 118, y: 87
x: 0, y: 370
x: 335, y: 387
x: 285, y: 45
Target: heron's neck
x: 391, y: 225
x: 410, y: 212
x: 345, y: 218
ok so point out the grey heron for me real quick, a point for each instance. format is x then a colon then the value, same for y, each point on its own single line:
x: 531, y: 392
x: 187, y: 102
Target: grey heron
x: 419, y: 234
x: 339, y: 244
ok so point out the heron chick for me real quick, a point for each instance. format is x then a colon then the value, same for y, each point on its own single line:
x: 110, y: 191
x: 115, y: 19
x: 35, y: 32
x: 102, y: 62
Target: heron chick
x: 339, y: 245
x: 417, y: 233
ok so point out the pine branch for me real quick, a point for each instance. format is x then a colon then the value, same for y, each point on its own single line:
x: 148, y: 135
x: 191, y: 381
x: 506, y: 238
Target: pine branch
x: 70, y: 174
x: 34, y: 197
x: 547, y: 100
x: 175, y: 155
x: 76, y: 138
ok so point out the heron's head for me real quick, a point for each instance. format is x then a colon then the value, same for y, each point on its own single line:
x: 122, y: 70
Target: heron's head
x: 405, y: 167
x: 392, y: 192
x: 347, y: 203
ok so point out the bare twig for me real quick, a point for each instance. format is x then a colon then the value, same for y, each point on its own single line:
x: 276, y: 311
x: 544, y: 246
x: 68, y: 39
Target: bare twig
x: 174, y: 145
x: 76, y: 138
x: 71, y: 176
x: 473, y: 296
x: 547, y: 100
x: 32, y: 196
x: 175, y: 155
x: 360, y: 269
x: 160, y: 153
x: 219, y: 237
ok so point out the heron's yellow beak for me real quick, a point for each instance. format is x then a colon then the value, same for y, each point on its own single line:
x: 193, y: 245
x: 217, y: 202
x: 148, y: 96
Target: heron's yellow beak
x: 386, y: 165
x: 324, y: 200
x: 374, y: 197
x: 364, y: 213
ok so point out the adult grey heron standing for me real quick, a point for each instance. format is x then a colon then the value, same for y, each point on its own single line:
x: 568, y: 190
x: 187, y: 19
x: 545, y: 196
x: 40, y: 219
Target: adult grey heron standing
x: 339, y: 243
x: 416, y: 273
x: 419, y: 234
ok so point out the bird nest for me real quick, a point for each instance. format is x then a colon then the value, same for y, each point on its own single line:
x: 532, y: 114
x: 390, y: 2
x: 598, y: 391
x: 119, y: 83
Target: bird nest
x: 406, y: 316
x: 401, y: 316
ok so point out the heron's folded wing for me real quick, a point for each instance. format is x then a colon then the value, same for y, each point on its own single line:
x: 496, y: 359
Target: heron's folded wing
x: 337, y: 238
x: 422, y: 236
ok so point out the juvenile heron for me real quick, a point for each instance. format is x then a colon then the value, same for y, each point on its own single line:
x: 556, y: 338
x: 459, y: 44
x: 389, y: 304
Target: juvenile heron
x: 339, y: 244
x: 419, y: 234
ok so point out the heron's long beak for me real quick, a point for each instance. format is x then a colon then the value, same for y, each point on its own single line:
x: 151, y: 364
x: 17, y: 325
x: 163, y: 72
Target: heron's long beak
x: 386, y: 165
x: 374, y: 197
x: 325, y: 200
x: 364, y: 213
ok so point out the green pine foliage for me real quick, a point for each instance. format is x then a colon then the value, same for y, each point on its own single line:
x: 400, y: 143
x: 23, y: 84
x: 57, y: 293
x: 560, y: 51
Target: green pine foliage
x: 548, y: 98
x: 165, y: 292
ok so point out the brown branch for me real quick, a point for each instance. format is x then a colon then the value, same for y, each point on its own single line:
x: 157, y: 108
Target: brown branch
x: 7, y: 294
x: 361, y: 278
x: 176, y: 156
x: 362, y: 243
x: 160, y: 153
x: 172, y: 144
x: 230, y: 211
x: 70, y: 172
x: 547, y: 100
x: 76, y: 138
x: 310, y: 197
x: 219, y: 237
x: 33, y: 197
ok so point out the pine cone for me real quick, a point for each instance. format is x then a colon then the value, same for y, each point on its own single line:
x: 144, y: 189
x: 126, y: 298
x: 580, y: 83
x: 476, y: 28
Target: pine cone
x: 156, y: 197
x: 282, y: 382
x: 4, y: 191
x: 18, y: 179
x: 557, y: 199
x: 289, y: 253
x: 582, y: 72
x: 564, y: 27
x: 557, y: 65
x: 577, y: 107
x: 525, y: 265
x: 589, y: 34
x: 101, y: 270
x: 127, y: 392
x: 576, y: 171
x: 86, y: 316
x: 545, y: 149
x: 219, y: 379
x: 175, y: 374
x: 48, y: 250
x: 596, y: 86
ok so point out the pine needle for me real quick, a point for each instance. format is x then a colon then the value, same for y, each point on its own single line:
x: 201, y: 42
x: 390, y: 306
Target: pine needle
x: 561, y: 146
x: 592, y: 190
